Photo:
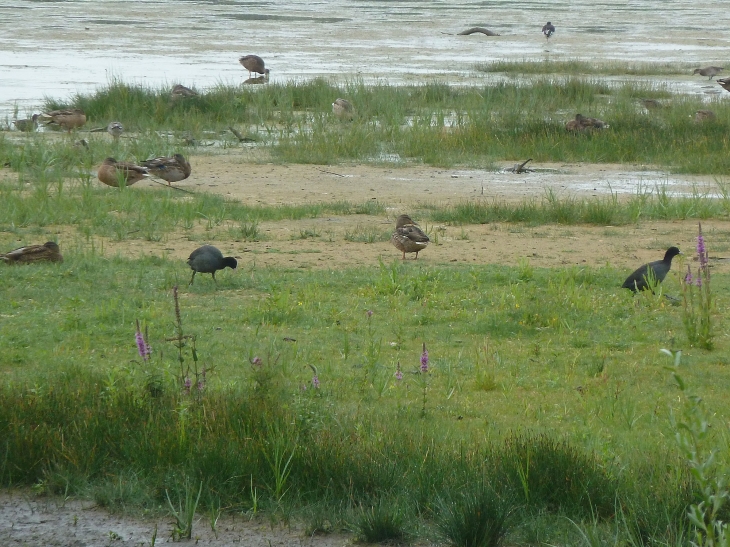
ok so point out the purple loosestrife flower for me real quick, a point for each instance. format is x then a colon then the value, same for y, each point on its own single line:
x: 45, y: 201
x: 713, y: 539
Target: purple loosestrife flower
x: 188, y: 384
x: 398, y: 373
x: 315, y: 382
x: 201, y: 385
x: 142, y: 347
x: 701, y: 250
x: 370, y: 313
x: 257, y: 361
x: 424, y: 359
x: 688, y: 276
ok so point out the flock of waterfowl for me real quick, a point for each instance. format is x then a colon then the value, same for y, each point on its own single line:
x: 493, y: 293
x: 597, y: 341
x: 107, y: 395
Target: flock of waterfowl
x: 408, y: 237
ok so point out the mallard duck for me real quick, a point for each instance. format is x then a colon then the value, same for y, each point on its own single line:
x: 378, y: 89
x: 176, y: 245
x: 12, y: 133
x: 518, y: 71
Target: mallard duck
x: 48, y: 252
x: 704, y: 116
x: 548, y: 29
x: 115, y: 129
x: 343, y: 109
x: 710, y: 71
x: 171, y: 169
x: 68, y: 119
x: 408, y: 237
x: 209, y: 259
x: 638, y: 281
x: 582, y: 123
x: 111, y: 172
x: 254, y: 63
x: 724, y: 83
x: 651, y: 104
x: 27, y: 124
x: 182, y: 92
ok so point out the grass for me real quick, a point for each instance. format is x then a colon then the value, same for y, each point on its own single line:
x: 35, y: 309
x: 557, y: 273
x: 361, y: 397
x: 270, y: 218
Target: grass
x: 575, y: 66
x: 78, y: 416
x: 433, y: 123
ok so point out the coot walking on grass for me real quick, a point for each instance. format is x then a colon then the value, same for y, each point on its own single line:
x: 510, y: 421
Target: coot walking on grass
x: 209, y: 259
x: 638, y: 281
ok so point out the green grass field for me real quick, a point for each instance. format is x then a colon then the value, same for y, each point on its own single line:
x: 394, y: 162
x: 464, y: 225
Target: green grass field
x: 546, y: 412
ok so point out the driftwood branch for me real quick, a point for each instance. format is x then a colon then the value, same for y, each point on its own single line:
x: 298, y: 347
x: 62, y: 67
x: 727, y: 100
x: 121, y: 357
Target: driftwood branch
x: 475, y: 30
x: 520, y: 167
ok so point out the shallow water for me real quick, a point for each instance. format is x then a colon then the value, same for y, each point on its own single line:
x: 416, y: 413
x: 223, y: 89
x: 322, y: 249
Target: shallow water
x: 52, y: 48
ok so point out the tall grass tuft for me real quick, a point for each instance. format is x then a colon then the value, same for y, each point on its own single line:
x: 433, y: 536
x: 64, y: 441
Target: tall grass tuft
x: 475, y: 518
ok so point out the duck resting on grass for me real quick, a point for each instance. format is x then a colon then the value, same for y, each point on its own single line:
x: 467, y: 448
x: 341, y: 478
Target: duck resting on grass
x: 343, y: 109
x: 209, y: 259
x: 68, y: 119
x: 408, y: 237
x: 48, y: 252
x: 651, y: 274
x: 112, y: 172
x: 170, y: 168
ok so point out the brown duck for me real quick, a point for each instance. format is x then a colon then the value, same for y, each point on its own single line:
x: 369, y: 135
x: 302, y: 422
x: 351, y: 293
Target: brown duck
x: 27, y: 124
x: 408, y: 237
x: 48, y: 252
x: 172, y: 168
x: 724, y: 83
x: 343, y: 109
x: 111, y: 172
x: 582, y: 123
x: 182, y: 92
x: 67, y: 119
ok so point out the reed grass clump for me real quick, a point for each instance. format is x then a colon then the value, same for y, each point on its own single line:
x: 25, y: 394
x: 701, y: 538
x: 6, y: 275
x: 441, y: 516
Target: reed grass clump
x: 435, y: 123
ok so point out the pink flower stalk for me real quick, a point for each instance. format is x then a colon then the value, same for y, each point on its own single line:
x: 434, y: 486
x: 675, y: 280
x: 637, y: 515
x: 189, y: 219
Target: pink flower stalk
x: 398, y: 373
x: 188, y: 384
x: 424, y: 359
x: 701, y: 250
x: 688, y: 279
x: 315, y: 382
x: 142, y: 347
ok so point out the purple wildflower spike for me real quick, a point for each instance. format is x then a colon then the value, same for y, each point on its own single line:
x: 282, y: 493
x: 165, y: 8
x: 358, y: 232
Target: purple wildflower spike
x: 188, y: 384
x: 398, y: 373
x: 142, y: 347
x: 701, y: 250
x: 688, y: 279
x: 424, y: 359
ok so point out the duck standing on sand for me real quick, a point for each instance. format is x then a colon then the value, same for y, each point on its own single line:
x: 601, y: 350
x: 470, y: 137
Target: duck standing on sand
x: 115, y: 129
x: 172, y: 168
x: 68, y: 119
x: 408, y: 236
x: 48, y: 252
x: 112, y: 172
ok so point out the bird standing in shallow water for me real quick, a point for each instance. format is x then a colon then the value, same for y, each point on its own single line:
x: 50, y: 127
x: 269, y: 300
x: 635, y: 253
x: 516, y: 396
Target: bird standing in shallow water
x: 111, y: 172
x: 639, y: 279
x: 408, y: 237
x: 710, y: 71
x: 172, y: 169
x: 254, y: 63
x: 548, y: 29
x: 48, y: 252
x: 209, y: 259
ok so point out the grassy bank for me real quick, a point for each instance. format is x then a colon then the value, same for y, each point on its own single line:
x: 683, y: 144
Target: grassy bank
x: 434, y: 123
x: 544, y: 387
